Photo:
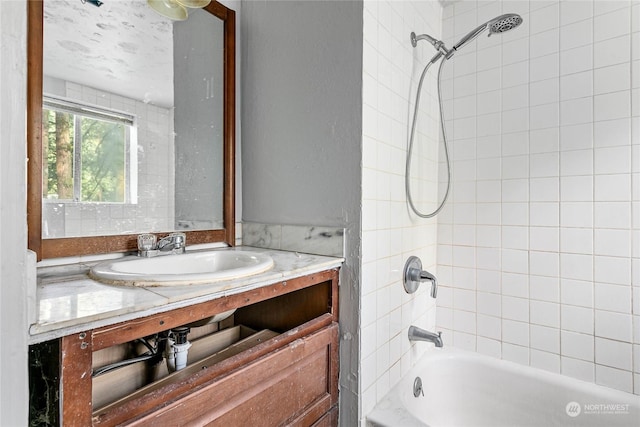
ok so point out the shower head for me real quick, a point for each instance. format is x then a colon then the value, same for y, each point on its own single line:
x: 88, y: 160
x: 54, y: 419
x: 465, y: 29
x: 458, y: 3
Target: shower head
x: 496, y: 25
x: 504, y: 23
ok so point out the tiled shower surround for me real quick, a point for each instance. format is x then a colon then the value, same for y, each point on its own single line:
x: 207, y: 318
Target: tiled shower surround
x: 389, y: 233
x: 539, y: 246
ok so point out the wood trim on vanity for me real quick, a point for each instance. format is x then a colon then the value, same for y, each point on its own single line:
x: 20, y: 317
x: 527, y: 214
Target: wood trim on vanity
x: 315, y: 294
x: 138, y: 405
x: 276, y: 385
x: 132, y: 329
x: 329, y: 419
x: 76, y: 354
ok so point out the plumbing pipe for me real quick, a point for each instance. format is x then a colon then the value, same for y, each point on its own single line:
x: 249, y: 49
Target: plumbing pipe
x: 177, y: 349
x: 176, y: 355
x: 181, y: 351
x: 169, y: 354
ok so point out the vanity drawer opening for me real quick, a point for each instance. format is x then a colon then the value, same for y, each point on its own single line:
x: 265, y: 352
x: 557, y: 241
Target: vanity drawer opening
x: 118, y: 383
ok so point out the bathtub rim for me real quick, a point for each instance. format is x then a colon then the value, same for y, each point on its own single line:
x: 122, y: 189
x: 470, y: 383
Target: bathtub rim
x: 383, y: 412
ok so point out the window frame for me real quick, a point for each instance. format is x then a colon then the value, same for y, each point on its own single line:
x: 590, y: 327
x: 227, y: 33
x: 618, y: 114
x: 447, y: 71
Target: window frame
x: 80, y: 110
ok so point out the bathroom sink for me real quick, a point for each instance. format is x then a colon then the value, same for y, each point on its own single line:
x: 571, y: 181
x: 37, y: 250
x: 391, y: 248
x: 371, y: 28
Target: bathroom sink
x: 183, y: 269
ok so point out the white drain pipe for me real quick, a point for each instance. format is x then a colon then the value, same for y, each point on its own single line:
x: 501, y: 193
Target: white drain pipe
x: 177, y: 349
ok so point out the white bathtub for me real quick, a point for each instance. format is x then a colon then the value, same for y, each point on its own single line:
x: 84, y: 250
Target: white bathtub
x: 468, y: 389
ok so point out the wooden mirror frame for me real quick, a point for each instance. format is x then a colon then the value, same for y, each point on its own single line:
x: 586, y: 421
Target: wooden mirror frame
x: 76, y: 246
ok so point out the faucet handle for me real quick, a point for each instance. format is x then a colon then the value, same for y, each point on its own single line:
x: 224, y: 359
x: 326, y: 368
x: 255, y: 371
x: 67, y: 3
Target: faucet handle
x: 146, y: 242
x: 425, y: 275
x: 414, y: 275
x: 174, y: 242
x: 179, y: 239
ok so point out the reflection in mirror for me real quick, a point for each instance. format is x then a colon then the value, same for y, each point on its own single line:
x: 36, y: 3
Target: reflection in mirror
x: 119, y: 139
x: 132, y: 120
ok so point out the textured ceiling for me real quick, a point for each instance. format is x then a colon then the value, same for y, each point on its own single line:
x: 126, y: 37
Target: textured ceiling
x: 122, y: 47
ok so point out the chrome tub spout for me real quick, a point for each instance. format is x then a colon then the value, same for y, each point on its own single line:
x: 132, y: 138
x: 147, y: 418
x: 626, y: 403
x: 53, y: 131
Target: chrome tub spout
x: 417, y: 334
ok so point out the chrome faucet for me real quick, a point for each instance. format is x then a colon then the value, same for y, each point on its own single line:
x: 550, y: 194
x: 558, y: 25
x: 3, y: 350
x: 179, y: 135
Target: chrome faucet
x: 414, y: 275
x: 174, y: 243
x: 425, y: 275
x: 417, y: 334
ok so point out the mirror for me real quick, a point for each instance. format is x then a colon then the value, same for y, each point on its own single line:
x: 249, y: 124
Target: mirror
x: 131, y: 125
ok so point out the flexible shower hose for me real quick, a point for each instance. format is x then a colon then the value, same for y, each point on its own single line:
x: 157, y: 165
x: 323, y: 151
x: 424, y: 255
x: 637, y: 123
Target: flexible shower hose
x: 411, y: 138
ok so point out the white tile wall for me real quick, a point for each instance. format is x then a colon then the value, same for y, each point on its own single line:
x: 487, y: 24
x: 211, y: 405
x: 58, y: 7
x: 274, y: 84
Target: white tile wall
x: 539, y: 248
x: 391, y: 69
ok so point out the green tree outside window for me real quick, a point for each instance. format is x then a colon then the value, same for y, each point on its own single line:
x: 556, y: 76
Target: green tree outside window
x: 84, y: 157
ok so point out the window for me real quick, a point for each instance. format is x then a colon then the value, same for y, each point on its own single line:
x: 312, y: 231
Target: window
x: 88, y: 154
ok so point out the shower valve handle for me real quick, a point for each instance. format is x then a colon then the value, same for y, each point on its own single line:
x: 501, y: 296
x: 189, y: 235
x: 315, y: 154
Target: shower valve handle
x: 414, y: 275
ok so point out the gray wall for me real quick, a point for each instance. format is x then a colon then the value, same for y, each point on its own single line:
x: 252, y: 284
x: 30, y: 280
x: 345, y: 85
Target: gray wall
x: 302, y: 136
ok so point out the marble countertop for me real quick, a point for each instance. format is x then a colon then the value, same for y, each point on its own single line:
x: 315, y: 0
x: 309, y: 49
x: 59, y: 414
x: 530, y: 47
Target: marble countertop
x: 68, y: 301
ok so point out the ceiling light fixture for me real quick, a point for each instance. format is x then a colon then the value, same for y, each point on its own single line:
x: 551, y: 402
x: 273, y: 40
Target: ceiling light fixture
x: 175, y: 9
x: 196, y: 4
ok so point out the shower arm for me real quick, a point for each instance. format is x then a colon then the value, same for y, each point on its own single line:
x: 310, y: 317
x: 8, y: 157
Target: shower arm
x: 439, y: 44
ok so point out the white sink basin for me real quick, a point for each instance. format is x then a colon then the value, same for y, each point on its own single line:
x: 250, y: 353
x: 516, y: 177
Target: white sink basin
x: 184, y: 269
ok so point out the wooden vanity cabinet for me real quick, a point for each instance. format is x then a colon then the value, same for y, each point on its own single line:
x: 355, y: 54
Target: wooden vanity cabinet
x: 290, y: 379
